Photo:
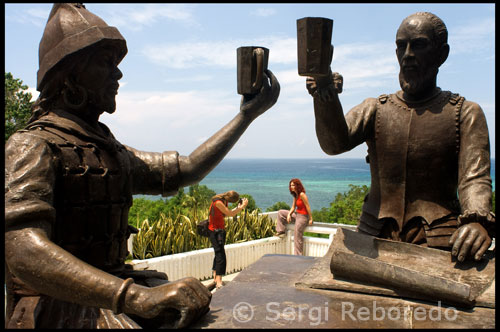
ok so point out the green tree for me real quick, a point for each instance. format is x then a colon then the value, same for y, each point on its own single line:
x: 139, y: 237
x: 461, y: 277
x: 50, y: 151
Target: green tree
x: 322, y: 215
x: 198, y: 198
x: 144, y: 208
x: 174, y: 204
x: 279, y: 206
x: 346, y: 208
x: 17, y: 105
x: 194, y: 203
x: 251, y: 203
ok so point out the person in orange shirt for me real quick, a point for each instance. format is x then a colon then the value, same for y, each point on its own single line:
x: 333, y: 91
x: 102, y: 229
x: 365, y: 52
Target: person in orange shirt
x: 300, y: 214
x: 217, y: 231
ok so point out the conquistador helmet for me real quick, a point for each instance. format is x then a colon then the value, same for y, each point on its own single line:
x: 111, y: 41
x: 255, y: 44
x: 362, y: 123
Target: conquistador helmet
x: 71, y: 28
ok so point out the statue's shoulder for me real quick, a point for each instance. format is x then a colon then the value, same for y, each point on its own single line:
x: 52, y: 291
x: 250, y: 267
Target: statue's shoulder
x: 382, y: 99
x: 465, y: 105
x: 32, y: 141
x: 369, y: 103
x: 32, y: 132
x: 454, y: 98
x: 38, y: 130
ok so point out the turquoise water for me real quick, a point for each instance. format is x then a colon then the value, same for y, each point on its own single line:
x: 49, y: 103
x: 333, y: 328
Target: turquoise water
x: 266, y: 180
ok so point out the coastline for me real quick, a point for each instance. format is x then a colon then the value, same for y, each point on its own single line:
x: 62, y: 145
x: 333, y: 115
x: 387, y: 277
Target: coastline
x: 266, y: 179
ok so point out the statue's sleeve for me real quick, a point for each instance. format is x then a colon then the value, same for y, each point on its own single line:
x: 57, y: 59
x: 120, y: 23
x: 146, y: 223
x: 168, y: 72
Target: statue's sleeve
x: 474, y: 179
x: 360, y: 122
x: 338, y: 133
x: 30, y: 173
x: 154, y: 173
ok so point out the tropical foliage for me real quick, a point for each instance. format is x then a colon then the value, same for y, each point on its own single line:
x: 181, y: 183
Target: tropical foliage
x: 345, y: 208
x: 197, y: 199
x: 17, y: 105
x: 168, y: 226
x: 278, y: 206
x: 171, y: 235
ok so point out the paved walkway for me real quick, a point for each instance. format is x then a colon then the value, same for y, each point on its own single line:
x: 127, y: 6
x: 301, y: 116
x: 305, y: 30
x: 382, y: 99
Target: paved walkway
x: 225, y: 279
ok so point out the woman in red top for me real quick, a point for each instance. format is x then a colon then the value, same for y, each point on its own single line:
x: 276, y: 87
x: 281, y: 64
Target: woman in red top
x: 217, y: 232
x: 300, y: 214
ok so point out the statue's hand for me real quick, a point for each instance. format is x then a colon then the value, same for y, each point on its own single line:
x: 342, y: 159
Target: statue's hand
x: 471, y: 240
x: 326, y: 86
x: 338, y: 82
x: 176, y: 304
x: 254, y: 105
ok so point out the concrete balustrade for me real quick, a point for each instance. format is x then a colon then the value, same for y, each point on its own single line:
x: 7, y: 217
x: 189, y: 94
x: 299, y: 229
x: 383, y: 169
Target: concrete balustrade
x: 198, y: 263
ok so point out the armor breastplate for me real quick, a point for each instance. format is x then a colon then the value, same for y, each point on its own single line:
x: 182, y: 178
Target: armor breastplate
x: 92, y: 198
x: 414, y: 159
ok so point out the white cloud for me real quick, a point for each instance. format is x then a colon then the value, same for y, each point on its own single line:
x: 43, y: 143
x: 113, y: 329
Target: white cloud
x: 38, y: 13
x: 264, y: 12
x: 33, y: 15
x: 177, y: 109
x: 349, y: 59
x: 34, y: 93
x: 218, y: 53
x: 135, y: 17
x: 196, y: 78
x: 473, y: 37
x: 159, y: 120
x: 195, y: 54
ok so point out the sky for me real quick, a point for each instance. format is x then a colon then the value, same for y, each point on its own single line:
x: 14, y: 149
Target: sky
x: 179, y: 76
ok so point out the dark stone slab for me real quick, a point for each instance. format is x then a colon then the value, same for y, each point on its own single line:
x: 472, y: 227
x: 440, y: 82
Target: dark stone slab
x: 264, y: 295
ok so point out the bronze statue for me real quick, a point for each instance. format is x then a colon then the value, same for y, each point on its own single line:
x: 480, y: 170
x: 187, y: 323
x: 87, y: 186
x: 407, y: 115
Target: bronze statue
x: 425, y: 145
x: 69, y: 186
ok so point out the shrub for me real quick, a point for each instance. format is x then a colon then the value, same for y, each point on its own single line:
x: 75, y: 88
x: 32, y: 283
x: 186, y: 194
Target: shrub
x: 171, y: 235
x: 278, y: 206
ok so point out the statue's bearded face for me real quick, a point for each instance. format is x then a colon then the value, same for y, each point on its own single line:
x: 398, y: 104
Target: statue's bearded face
x: 100, y: 78
x: 417, y: 55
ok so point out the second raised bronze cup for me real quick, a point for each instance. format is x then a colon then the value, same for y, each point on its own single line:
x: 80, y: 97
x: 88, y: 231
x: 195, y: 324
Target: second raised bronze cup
x: 314, y: 39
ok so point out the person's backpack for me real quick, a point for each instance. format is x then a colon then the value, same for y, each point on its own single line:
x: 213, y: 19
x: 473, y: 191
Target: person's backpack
x: 202, y: 226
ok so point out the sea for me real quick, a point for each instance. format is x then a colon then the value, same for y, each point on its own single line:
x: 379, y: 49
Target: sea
x: 266, y: 180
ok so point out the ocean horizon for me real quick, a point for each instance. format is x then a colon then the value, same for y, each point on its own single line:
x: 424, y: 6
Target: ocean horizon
x: 266, y: 180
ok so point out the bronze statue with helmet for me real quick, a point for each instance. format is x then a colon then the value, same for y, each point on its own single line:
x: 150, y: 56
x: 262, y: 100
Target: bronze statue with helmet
x: 69, y: 186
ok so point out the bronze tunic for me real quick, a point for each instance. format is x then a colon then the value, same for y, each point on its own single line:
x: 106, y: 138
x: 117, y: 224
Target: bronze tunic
x: 421, y: 156
x: 61, y: 172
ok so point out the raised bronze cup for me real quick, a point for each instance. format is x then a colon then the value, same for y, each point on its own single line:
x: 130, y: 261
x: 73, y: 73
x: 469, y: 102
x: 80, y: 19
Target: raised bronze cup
x: 314, y: 39
x: 252, y: 62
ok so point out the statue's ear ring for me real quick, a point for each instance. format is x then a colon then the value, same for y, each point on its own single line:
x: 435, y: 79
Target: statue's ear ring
x: 74, y: 95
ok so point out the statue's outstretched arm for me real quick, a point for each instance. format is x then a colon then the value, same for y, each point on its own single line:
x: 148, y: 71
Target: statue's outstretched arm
x: 201, y: 161
x: 331, y: 126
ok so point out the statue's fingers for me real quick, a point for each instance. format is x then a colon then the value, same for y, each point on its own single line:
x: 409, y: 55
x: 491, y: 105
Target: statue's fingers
x: 275, y: 85
x: 476, y: 246
x: 453, y: 238
x: 484, y: 246
x: 460, y: 238
x: 466, y: 245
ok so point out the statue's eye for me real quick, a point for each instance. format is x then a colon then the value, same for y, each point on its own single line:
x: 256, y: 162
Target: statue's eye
x: 420, y: 44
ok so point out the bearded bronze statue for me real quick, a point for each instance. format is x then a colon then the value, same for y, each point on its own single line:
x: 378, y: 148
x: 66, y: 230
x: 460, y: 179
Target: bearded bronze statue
x: 69, y: 186
x: 428, y: 149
